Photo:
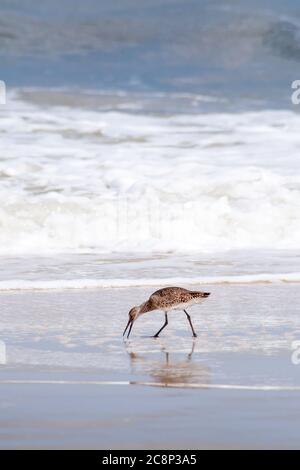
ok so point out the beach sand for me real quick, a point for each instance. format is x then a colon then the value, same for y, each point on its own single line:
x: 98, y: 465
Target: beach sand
x: 70, y: 381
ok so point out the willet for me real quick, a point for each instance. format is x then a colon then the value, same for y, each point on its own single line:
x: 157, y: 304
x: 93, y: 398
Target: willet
x: 169, y: 298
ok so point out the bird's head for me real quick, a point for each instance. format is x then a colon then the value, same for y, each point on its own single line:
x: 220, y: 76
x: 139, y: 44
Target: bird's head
x: 133, y: 314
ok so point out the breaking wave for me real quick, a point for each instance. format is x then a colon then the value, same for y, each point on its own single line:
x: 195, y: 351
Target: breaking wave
x: 84, y: 180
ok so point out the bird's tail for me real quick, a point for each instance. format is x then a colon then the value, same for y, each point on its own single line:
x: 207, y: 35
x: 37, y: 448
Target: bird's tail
x: 197, y: 295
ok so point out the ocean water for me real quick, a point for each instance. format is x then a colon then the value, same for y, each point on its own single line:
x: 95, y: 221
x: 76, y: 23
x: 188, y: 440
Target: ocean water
x: 148, y: 143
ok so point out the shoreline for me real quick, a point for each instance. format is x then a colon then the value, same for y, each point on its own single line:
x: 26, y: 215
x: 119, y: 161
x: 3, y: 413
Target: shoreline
x: 71, y: 381
x: 92, y: 284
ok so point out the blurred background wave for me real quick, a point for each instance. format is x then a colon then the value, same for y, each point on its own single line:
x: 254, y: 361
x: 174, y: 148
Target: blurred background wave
x: 235, y: 49
x: 158, y: 126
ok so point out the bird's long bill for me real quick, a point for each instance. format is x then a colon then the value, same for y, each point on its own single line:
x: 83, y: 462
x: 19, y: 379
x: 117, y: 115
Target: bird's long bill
x: 130, y: 322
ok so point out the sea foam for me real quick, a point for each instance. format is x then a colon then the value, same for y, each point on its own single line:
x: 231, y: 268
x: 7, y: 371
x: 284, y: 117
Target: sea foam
x: 83, y: 180
x: 64, y: 284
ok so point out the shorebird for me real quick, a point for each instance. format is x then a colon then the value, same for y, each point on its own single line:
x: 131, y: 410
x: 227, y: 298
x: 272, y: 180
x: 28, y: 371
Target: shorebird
x: 169, y: 298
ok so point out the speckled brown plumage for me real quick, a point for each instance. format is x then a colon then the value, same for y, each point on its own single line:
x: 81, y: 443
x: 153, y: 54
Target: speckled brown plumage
x: 170, y: 297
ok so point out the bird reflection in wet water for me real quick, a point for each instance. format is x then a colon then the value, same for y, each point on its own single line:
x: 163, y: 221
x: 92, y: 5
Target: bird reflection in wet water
x: 166, y: 367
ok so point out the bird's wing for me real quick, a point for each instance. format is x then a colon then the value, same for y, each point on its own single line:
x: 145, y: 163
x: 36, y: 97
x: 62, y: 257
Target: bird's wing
x: 170, y: 296
x: 169, y: 291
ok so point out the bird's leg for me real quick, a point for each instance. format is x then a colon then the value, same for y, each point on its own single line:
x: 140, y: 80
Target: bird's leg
x: 192, y: 352
x: 130, y: 328
x: 190, y: 322
x: 164, y: 325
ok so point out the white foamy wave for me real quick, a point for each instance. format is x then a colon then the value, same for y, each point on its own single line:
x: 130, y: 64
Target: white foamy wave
x: 58, y: 284
x: 80, y: 180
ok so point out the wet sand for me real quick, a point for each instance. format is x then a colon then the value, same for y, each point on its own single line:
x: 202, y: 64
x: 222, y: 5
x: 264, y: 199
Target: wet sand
x: 70, y: 381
